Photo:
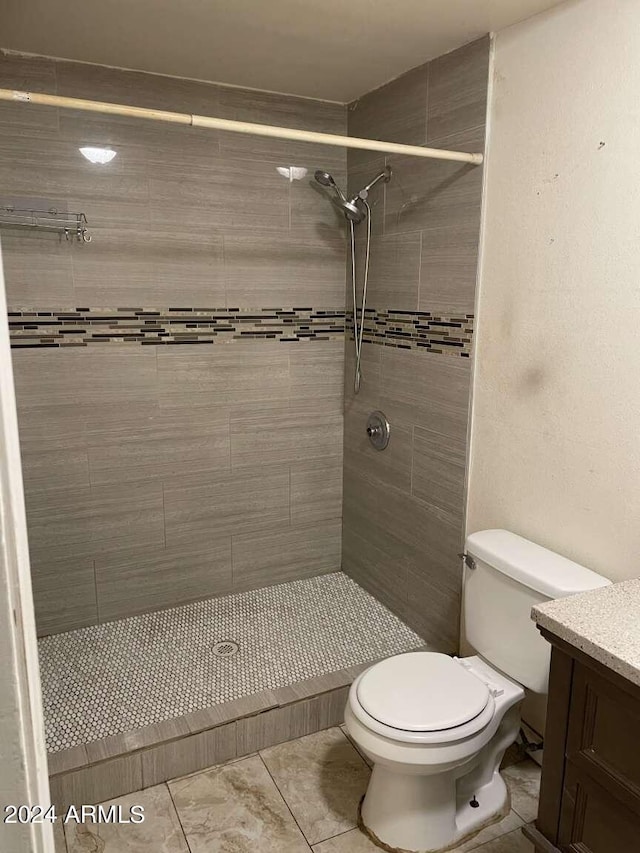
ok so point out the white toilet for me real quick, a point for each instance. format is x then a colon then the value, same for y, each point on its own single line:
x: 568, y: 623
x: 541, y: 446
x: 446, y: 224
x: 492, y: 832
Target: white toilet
x: 436, y: 727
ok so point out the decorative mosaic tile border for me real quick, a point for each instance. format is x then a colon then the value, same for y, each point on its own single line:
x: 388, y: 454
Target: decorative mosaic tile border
x: 444, y: 334
x: 158, y: 326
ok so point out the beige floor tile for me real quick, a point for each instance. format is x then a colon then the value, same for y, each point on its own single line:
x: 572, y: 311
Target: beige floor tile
x: 58, y: 838
x: 356, y: 842
x: 236, y: 808
x: 343, y: 729
x: 349, y: 842
x: 510, y: 823
x: 322, y: 779
x: 160, y: 832
x: 513, y: 842
x: 523, y: 781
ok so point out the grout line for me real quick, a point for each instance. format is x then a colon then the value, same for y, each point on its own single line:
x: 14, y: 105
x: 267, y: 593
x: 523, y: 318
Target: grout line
x: 95, y: 589
x: 164, y: 517
x: 175, y: 808
x: 420, y: 270
x: 283, y: 798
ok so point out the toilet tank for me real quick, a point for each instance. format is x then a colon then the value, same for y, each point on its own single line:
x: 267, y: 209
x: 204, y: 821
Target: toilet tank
x: 504, y: 577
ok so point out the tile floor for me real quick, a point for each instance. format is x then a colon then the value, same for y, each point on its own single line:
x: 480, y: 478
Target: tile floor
x: 112, y: 678
x: 296, y: 797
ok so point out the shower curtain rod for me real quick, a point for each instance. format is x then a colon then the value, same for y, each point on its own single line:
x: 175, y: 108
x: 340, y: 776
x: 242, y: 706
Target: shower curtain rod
x: 237, y: 126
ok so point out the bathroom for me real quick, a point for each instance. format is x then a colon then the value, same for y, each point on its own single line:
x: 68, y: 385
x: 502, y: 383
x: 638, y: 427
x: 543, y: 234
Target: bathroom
x: 286, y: 411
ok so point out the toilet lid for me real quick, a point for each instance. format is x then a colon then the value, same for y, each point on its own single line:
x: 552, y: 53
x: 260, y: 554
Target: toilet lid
x: 421, y: 692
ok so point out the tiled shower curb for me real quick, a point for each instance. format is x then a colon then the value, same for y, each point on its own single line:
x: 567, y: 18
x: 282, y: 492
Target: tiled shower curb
x: 98, y: 771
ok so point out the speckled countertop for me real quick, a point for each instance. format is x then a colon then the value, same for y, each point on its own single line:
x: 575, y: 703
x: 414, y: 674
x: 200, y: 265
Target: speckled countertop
x: 603, y: 623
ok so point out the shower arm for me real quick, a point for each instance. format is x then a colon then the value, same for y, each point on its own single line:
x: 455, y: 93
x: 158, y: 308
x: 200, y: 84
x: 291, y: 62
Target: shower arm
x: 383, y: 176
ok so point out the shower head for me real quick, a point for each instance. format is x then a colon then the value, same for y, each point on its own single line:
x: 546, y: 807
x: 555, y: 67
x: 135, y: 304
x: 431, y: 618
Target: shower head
x: 326, y: 180
x: 350, y: 207
x: 352, y: 211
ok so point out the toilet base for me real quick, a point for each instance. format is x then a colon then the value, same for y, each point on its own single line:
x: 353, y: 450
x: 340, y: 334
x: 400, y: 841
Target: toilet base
x: 440, y: 829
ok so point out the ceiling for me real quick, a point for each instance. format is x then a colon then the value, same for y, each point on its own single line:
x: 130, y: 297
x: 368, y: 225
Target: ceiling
x: 331, y: 49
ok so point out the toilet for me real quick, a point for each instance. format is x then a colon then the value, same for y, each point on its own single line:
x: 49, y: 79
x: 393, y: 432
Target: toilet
x: 436, y: 727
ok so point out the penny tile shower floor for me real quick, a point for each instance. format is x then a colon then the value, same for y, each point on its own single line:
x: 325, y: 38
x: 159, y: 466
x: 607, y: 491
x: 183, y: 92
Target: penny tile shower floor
x: 113, y: 678
x: 297, y: 797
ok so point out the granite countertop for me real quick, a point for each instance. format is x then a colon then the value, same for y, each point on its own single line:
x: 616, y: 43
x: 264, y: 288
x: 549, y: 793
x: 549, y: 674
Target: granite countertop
x: 603, y: 623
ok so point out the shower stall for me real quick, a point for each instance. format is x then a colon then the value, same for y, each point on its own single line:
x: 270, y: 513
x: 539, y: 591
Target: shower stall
x: 202, y: 323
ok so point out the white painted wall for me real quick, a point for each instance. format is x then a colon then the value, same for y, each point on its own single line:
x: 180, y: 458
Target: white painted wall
x: 23, y: 760
x: 556, y: 422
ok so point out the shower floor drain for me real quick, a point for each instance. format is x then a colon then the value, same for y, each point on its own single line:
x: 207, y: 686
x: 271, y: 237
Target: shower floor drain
x: 225, y: 648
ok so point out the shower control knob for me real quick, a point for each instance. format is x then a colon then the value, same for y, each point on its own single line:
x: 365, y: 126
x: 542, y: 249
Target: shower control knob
x: 378, y: 430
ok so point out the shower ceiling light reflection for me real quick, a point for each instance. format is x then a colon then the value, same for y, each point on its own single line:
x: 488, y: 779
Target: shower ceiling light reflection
x: 292, y: 173
x: 98, y: 155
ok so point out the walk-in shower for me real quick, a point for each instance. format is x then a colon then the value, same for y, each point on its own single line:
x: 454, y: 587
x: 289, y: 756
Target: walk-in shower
x: 356, y: 210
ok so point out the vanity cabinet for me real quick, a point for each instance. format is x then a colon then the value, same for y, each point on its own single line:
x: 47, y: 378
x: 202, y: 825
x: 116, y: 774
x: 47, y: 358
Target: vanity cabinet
x: 590, y: 788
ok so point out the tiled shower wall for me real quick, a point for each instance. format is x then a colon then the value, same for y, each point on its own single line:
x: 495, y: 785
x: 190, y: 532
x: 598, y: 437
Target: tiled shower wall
x: 403, y: 507
x: 179, y: 440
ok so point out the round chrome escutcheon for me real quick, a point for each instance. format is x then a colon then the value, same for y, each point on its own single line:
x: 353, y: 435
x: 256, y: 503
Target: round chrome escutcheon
x: 378, y: 430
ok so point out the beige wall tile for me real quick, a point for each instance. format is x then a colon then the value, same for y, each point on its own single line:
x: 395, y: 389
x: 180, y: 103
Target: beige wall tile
x: 67, y: 759
x: 394, y: 272
x: 426, y: 193
x: 154, y: 266
x: 37, y: 269
x: 425, y: 389
x: 238, y: 376
x: 458, y: 89
x: 28, y: 73
x: 433, y: 607
x: 438, y: 471
x: 269, y: 440
x: 381, y: 575
x: 291, y: 721
x: 392, y: 465
x: 113, y: 436
x: 115, y: 745
x: 276, y: 556
x: 217, y: 715
x: 160, y: 445
x: 129, y: 514
x: 231, y: 193
x: 54, y: 469
x: 283, y: 272
x: 98, y: 783
x: 157, y: 578
x: 448, y: 268
x: 188, y: 754
x: 396, y: 112
x: 201, y: 507
x: 64, y: 590
x: 316, y: 376
x: 316, y: 490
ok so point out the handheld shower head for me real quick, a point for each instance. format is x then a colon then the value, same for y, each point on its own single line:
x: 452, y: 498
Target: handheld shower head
x: 326, y: 180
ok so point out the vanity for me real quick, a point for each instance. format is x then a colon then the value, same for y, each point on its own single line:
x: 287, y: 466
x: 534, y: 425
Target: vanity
x: 590, y: 788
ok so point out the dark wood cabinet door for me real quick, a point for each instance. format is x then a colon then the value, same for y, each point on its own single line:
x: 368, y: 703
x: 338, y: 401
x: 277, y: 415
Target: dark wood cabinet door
x: 600, y: 810
x: 593, y: 821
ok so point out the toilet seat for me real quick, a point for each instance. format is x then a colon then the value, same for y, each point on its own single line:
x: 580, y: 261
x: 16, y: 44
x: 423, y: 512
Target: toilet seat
x: 421, y: 692
x: 381, y: 695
